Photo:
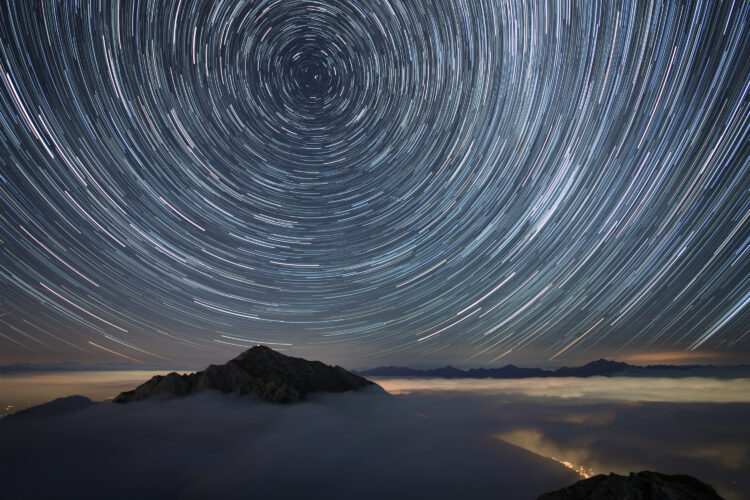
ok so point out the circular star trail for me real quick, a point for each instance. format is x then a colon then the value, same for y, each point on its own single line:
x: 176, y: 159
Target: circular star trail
x: 470, y: 179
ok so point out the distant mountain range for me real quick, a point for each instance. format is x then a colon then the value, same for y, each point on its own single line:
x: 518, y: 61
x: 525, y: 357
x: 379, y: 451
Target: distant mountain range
x: 601, y: 367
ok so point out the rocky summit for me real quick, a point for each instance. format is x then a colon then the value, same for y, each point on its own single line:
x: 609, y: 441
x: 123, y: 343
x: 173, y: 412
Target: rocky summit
x: 259, y: 371
x: 644, y: 485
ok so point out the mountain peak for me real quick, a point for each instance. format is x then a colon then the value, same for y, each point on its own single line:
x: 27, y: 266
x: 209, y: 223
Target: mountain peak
x: 259, y: 348
x: 259, y: 371
x: 260, y: 352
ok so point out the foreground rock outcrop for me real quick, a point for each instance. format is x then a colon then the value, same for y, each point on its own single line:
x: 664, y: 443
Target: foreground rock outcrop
x: 259, y: 371
x: 644, y: 485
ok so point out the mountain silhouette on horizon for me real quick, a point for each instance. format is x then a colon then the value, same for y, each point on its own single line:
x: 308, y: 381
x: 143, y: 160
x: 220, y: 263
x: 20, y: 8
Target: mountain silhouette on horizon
x: 600, y: 367
x: 259, y: 371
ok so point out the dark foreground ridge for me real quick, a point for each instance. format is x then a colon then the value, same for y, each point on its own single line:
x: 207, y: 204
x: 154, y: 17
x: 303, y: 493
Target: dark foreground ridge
x: 53, y: 408
x: 644, y: 485
x: 259, y: 371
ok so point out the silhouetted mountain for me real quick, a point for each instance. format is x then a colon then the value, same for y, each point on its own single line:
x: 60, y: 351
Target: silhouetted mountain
x: 598, y: 367
x: 601, y: 367
x: 53, y: 408
x: 644, y: 485
x: 508, y: 371
x: 259, y: 371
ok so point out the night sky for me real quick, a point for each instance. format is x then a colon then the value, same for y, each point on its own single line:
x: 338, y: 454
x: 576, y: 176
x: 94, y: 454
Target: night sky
x: 424, y: 181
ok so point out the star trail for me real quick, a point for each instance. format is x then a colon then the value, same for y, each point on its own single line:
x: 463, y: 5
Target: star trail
x: 470, y: 180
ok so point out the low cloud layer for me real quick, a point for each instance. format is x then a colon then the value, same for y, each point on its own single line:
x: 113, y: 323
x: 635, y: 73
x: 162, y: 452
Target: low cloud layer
x: 429, y: 444
x: 620, y: 389
x: 707, y: 440
x: 214, y: 446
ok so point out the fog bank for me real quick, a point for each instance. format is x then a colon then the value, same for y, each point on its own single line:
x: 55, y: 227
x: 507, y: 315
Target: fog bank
x: 350, y: 445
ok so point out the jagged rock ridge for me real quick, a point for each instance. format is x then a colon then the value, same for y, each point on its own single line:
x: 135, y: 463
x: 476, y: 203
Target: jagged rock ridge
x: 259, y: 371
x: 644, y: 485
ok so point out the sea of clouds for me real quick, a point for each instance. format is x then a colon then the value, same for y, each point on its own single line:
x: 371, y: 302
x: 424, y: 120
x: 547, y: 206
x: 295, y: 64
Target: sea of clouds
x: 431, y: 441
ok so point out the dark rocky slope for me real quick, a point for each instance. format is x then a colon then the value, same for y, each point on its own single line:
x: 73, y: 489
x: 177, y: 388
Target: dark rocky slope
x: 644, y: 485
x: 259, y: 371
x: 54, y: 408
